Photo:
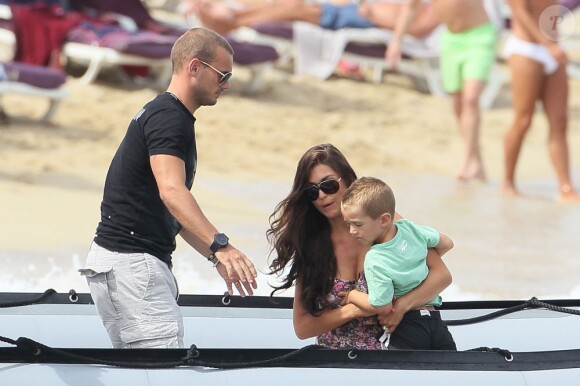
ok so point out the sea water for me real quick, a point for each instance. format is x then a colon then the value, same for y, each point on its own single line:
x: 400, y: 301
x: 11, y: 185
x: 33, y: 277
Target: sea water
x: 505, y: 248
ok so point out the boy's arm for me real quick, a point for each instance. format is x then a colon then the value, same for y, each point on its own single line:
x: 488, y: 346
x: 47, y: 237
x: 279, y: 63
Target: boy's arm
x: 307, y: 325
x: 445, y: 244
x: 407, y: 15
x: 361, y: 300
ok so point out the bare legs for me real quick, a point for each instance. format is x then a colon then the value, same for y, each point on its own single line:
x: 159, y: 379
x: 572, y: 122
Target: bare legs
x: 213, y: 15
x: 555, y: 101
x: 467, y: 112
x: 527, y: 82
x: 386, y: 14
x: 223, y: 19
x: 528, y: 85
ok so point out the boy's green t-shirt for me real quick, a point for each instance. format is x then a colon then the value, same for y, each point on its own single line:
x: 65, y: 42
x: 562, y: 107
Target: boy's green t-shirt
x: 397, y: 266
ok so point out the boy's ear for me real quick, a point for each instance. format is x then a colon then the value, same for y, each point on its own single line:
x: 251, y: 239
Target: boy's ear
x: 386, y: 219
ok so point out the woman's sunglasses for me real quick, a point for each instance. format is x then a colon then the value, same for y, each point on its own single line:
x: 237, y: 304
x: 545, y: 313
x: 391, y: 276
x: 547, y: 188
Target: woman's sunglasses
x: 327, y: 186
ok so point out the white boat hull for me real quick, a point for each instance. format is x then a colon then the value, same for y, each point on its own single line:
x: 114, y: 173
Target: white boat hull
x: 90, y: 375
x: 249, y: 342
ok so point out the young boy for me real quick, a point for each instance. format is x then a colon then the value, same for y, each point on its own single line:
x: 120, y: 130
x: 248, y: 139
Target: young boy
x: 395, y: 264
x: 468, y: 52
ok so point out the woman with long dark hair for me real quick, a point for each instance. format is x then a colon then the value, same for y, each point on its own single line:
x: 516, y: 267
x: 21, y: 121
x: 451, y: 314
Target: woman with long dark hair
x: 315, y: 252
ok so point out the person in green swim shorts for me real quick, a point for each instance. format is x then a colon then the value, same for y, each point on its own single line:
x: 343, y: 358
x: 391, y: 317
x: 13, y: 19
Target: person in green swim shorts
x: 468, y: 52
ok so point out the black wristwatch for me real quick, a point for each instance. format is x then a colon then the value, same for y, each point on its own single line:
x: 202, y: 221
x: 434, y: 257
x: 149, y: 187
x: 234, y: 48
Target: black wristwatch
x: 220, y: 240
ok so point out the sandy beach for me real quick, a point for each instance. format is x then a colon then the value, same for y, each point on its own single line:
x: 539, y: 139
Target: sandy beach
x: 51, y: 178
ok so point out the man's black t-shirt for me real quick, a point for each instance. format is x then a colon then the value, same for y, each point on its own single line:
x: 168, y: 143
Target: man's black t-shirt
x: 133, y: 216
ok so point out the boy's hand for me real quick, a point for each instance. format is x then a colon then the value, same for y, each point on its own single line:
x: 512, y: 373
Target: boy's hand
x: 344, y: 296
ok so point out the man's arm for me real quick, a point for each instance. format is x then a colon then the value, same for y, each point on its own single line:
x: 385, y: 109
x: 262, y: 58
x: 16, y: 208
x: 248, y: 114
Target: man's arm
x: 198, y: 231
x: 408, y: 13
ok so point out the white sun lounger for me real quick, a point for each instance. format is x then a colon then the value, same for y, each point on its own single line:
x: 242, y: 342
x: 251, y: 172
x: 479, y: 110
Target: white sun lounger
x: 15, y: 84
x: 317, y: 51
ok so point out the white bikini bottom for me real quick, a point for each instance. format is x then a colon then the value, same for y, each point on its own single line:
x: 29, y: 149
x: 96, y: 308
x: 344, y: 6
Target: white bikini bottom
x: 534, y: 51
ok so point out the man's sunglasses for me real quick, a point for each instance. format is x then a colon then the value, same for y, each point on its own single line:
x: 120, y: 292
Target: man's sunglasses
x: 327, y: 186
x: 225, y: 76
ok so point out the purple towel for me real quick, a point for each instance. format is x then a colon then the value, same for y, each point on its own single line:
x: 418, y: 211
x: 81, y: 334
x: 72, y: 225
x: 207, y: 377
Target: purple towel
x: 251, y: 53
x: 38, y: 76
x: 142, y: 43
x: 282, y: 30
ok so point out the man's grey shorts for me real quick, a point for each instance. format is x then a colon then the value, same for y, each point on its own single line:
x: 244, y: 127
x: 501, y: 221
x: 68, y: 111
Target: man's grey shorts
x: 136, y: 297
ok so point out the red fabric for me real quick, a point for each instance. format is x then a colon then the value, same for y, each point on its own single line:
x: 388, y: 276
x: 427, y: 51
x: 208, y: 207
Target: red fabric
x: 40, y: 33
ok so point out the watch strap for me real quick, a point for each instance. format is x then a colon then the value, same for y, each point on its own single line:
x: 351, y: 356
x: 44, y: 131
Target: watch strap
x: 213, y: 259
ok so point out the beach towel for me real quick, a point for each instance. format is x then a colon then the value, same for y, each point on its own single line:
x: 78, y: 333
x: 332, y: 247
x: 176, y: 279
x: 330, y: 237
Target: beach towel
x: 319, y: 50
x: 40, y: 32
x: 37, y: 76
x: 141, y: 43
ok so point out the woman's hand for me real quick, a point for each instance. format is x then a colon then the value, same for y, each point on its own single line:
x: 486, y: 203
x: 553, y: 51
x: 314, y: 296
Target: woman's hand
x: 558, y: 53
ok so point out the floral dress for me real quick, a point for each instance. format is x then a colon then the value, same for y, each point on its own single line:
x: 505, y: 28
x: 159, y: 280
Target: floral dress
x: 359, y: 333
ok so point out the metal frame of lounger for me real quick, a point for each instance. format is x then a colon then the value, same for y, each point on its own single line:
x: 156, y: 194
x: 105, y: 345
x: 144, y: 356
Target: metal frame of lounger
x: 285, y: 47
x: 96, y: 58
x: 256, y: 76
x: 424, y: 65
x: 54, y: 95
x: 421, y: 63
x: 8, y: 42
x: 7, y: 37
x: 428, y: 67
x: 257, y: 70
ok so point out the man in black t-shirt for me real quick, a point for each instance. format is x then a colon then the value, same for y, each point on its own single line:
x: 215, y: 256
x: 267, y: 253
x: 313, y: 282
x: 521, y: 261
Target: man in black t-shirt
x: 147, y: 202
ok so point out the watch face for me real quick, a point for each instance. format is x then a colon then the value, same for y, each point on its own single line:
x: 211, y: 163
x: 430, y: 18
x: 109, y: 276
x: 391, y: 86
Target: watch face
x: 221, y: 239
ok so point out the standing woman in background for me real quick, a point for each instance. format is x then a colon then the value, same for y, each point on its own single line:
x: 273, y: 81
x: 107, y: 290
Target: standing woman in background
x: 538, y: 72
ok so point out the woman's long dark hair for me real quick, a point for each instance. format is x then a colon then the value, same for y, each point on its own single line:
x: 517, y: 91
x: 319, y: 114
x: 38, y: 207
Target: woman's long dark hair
x: 300, y: 234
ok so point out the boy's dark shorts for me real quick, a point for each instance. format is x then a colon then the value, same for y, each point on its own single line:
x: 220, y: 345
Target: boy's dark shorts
x: 422, y: 330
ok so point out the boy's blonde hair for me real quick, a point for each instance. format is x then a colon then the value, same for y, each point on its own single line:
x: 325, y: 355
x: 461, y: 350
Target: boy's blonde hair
x: 374, y: 196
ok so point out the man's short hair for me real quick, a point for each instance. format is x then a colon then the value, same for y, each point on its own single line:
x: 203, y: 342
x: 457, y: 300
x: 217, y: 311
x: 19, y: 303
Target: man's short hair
x: 201, y: 43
